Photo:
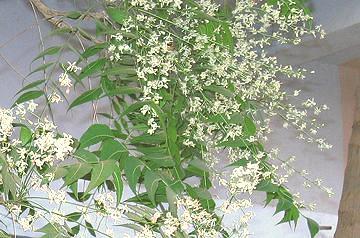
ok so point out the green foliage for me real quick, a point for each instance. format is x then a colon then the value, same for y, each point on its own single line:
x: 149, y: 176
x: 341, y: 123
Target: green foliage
x: 87, y: 96
x: 49, y: 51
x: 30, y: 95
x: 100, y: 172
x: 95, y: 134
x: 156, y: 165
x: 313, y: 227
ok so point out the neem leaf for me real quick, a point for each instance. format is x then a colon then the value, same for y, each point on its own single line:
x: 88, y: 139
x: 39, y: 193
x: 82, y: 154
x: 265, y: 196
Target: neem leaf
x: 49, y: 51
x: 249, y: 127
x: 117, y: 14
x: 132, y: 171
x: 124, y: 90
x: 100, y: 173
x: 112, y: 150
x: 313, y: 227
x: 31, y: 95
x: 92, y: 68
x: 31, y: 85
x: 119, y: 187
x: 283, y: 205
x: 25, y: 135
x: 87, y: 96
x: 172, y: 200
x: 73, y: 217
x: 85, y: 156
x: 73, y: 15
x: 95, y: 134
x: 151, y: 181
x: 76, y: 172
x: 41, y: 67
x: 90, y: 228
x: 93, y: 50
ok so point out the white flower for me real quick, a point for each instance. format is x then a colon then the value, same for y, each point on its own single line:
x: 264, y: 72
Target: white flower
x: 56, y: 196
x: 57, y: 217
x: 245, y: 178
x: 72, y: 67
x: 32, y: 106
x: 55, y: 98
x: 145, y: 233
x: 64, y: 80
x: 171, y: 224
x: 155, y: 217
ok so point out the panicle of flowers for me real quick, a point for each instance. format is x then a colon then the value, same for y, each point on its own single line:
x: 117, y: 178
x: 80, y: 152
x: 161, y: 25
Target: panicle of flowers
x: 64, y: 78
x: 194, y: 217
x: 46, y: 145
x: 146, y: 232
x: 106, y: 205
x: 244, y: 179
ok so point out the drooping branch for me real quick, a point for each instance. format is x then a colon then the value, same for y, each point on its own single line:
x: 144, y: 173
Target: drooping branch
x: 55, y: 17
x: 49, y: 14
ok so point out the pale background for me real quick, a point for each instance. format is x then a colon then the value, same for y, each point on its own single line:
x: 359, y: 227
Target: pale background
x: 332, y: 84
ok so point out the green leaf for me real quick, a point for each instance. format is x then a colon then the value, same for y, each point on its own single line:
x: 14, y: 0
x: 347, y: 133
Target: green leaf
x: 124, y: 90
x: 132, y: 171
x: 73, y: 15
x: 87, y: 96
x: 31, y: 85
x: 132, y: 226
x: 31, y: 95
x: 291, y: 214
x: 249, y: 127
x: 76, y: 172
x: 153, y: 139
x: 73, y: 217
x: 100, y: 173
x: 57, y: 171
x: 172, y: 200
x: 117, y: 14
x: 203, y: 196
x: 75, y: 230
x: 9, y: 182
x: 133, y: 107
x: 119, y: 187
x: 241, y: 143
x: 80, y: 196
x: 53, y: 230
x: 40, y: 68
x: 239, y: 163
x: 269, y: 197
x: 313, y: 227
x: 113, y: 150
x: 25, y: 135
x: 49, y: 51
x: 90, y: 228
x: 92, y: 68
x: 219, y: 89
x: 75, y: 189
x: 267, y: 186
x: 93, y: 50
x: 86, y: 156
x: 283, y: 205
x: 151, y: 181
x: 121, y: 70
x: 95, y: 134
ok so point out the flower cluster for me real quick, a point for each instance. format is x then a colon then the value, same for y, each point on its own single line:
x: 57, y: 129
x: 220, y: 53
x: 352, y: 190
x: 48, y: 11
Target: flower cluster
x: 233, y: 88
x: 207, y: 82
x: 64, y: 78
x: 106, y: 205
x: 42, y: 144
